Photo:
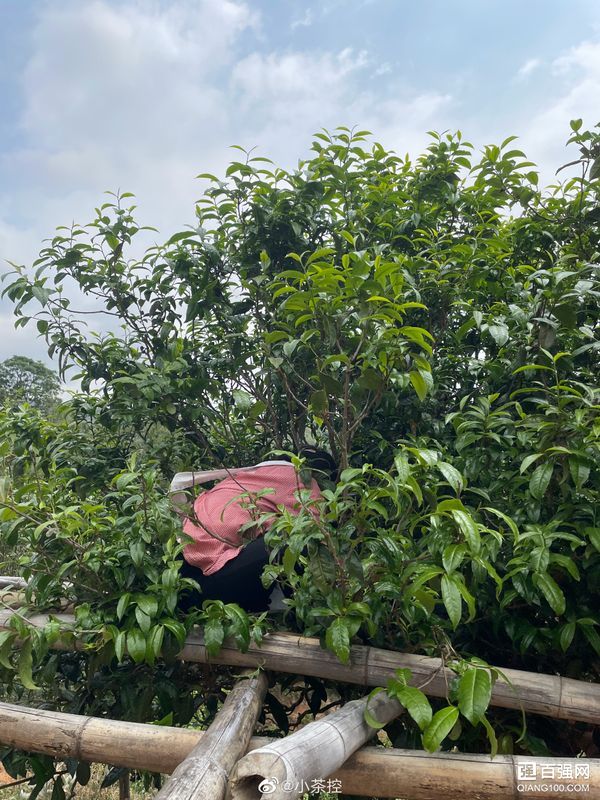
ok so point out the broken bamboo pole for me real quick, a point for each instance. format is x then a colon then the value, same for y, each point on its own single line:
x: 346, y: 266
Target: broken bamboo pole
x: 314, y: 751
x: 549, y: 695
x: 204, y: 773
x: 371, y: 771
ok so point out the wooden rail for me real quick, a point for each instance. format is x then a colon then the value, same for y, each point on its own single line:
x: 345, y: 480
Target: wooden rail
x: 371, y: 771
x: 549, y: 695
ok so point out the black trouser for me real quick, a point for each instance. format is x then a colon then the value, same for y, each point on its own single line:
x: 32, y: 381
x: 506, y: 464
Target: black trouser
x: 237, y: 582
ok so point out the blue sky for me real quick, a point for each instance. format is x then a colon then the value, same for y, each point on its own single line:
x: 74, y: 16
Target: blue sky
x: 143, y: 95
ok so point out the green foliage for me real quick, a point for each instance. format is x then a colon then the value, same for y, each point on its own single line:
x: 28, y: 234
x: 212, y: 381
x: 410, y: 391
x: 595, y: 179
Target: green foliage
x: 23, y: 380
x: 434, y: 324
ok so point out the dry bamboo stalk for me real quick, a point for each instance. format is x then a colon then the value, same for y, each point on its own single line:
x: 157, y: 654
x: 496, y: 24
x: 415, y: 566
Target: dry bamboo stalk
x: 371, y: 771
x: 204, y: 773
x: 550, y: 695
x: 314, y: 751
x: 12, y: 582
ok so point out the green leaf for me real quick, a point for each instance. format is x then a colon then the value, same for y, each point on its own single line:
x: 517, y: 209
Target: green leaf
x: 125, y: 480
x: 567, y: 632
x: 176, y: 628
x: 337, y: 639
x: 41, y: 294
x: 416, y: 703
x: 122, y: 604
x: 137, y: 550
x: 593, y: 535
x: 214, y: 635
x: 452, y: 475
x: 147, y: 604
x: 143, y: 620
x: 136, y: 645
x: 289, y: 347
x: 180, y: 236
x: 402, y: 467
x: 528, y: 461
x: 322, y: 252
x: 120, y: 642
x: 419, y: 384
x: 440, y: 726
x: 469, y: 528
x: 155, y: 641
x: 505, y: 518
x: 240, y: 625
x: 24, y: 665
x: 58, y: 790
x: 551, y: 591
x: 289, y: 561
x: 452, y: 556
x: 580, y: 472
x: 540, y: 478
x: 7, y: 639
x: 591, y: 635
x: 452, y: 600
x: 499, y: 333
x: 491, y: 734
x: 112, y: 776
x: 474, y: 693
x: 449, y: 505
x: 318, y: 401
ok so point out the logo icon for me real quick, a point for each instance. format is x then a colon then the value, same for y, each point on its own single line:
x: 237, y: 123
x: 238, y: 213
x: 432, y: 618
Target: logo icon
x: 268, y: 785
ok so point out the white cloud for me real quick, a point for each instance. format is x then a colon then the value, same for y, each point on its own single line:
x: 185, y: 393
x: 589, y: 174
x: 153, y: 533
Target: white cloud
x: 122, y: 96
x: 528, y: 67
x: 576, y: 89
x: 304, y: 21
x: 383, y: 69
x: 143, y: 96
x: 289, y: 96
x: 102, y: 72
x: 297, y: 77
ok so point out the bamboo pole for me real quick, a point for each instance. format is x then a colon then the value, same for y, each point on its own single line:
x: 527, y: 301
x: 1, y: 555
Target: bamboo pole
x: 314, y: 751
x: 11, y: 582
x: 204, y: 773
x: 371, y: 771
x: 549, y: 695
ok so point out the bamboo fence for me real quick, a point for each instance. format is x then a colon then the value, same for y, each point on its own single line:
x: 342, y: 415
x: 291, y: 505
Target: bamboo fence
x: 550, y: 695
x: 370, y: 771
